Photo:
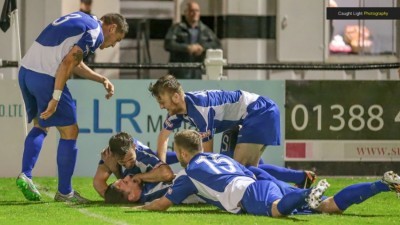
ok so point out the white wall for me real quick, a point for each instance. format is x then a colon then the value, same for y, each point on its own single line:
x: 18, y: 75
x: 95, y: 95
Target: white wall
x: 12, y: 128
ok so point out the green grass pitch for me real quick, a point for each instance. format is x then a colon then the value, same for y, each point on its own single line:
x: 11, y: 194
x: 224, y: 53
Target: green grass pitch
x: 14, y: 209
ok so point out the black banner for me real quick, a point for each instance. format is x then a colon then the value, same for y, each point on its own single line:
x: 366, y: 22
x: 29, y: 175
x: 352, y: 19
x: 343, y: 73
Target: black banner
x: 342, y: 110
x: 364, y: 13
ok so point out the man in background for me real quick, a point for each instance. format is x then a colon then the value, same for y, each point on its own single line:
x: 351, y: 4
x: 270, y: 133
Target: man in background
x: 188, y: 41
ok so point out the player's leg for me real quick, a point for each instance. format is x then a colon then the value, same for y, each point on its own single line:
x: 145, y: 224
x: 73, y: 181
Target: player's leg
x: 302, y: 179
x: 264, y: 197
x: 33, y: 145
x: 358, y: 193
x: 171, y: 158
x: 260, y: 128
x: 248, y: 154
x: 298, y: 198
x: 65, y: 120
x: 264, y: 175
x: 66, y: 159
x: 34, y: 139
x: 229, y: 141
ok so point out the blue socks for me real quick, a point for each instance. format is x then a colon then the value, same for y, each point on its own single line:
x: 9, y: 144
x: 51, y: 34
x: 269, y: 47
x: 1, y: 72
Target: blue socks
x: 357, y: 193
x: 284, y: 174
x: 33, y: 145
x: 171, y: 158
x: 292, y: 201
x: 66, y: 159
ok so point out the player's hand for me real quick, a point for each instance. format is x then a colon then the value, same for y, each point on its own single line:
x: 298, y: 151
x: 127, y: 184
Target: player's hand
x: 136, y: 179
x: 51, y: 109
x: 191, y: 49
x: 109, y: 88
x: 198, y: 50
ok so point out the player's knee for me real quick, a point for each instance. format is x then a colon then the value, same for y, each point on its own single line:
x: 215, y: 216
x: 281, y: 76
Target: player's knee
x: 274, y: 210
x: 45, y: 129
x: 69, y: 132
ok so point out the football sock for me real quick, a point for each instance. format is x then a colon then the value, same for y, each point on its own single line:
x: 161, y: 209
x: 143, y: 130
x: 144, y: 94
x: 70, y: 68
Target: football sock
x: 66, y: 159
x: 357, y: 193
x: 292, y: 201
x: 171, y: 158
x: 33, y: 145
x: 263, y: 175
x: 284, y: 174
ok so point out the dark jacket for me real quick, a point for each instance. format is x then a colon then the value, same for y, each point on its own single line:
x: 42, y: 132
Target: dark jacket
x: 177, y: 41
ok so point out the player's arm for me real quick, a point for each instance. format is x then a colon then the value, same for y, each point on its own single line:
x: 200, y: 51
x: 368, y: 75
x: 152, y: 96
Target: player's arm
x: 162, y: 144
x: 111, y: 163
x: 100, y: 179
x: 208, y: 146
x: 162, y: 173
x: 160, y: 204
x: 84, y: 71
x: 72, y: 59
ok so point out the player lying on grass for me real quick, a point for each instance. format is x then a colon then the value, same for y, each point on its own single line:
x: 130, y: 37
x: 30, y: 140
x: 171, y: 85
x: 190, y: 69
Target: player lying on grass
x: 223, y: 182
x: 137, y: 159
x: 120, y: 191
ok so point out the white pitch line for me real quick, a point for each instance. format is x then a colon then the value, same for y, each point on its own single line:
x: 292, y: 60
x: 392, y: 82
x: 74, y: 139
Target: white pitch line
x: 87, y: 212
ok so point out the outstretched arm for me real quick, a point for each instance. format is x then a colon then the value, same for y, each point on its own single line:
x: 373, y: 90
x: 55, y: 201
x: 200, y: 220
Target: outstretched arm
x: 84, y: 71
x: 160, y: 204
x: 163, y: 173
x: 162, y: 144
x: 100, y: 179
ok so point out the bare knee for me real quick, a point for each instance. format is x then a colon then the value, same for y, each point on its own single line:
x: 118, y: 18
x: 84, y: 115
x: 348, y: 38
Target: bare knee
x: 69, y: 132
x: 274, y: 209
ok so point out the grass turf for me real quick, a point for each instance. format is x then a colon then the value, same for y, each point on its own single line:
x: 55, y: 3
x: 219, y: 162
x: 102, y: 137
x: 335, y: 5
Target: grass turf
x: 14, y: 209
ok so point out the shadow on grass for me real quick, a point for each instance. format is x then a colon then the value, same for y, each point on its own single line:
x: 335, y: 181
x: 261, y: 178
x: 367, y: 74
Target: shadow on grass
x: 212, y: 212
x: 368, y: 216
x: 8, y: 203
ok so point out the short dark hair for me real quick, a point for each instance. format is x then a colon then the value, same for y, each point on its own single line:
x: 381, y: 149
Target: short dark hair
x: 118, y: 19
x: 115, y: 196
x: 120, y: 144
x: 190, y: 140
x: 165, y: 83
x: 88, y: 2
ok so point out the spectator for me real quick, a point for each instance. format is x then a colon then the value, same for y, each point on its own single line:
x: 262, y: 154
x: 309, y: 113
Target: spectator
x: 188, y: 41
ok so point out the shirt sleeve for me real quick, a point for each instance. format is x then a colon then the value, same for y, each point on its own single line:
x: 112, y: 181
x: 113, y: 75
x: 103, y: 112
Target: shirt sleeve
x: 86, y: 43
x: 182, y: 188
x: 172, y: 122
x: 146, y: 158
x: 247, y: 171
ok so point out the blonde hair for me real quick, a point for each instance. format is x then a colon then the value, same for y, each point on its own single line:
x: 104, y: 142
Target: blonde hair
x: 190, y: 140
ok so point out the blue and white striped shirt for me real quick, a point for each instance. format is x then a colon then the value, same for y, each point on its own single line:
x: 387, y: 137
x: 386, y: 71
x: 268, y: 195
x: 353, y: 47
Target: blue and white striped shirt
x: 56, y: 40
x: 214, y: 111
